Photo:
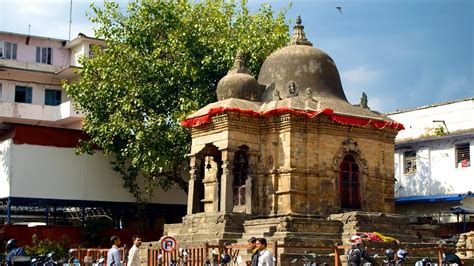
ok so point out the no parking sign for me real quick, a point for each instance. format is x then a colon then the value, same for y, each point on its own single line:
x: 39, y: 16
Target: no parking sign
x: 168, y: 244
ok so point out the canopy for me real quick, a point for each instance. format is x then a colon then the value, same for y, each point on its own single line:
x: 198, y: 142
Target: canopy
x: 461, y: 210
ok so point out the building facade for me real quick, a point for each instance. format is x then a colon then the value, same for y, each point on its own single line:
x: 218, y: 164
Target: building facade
x: 41, y: 177
x: 433, y: 161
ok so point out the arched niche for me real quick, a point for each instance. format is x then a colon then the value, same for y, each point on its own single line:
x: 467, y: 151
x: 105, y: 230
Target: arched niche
x: 352, y: 169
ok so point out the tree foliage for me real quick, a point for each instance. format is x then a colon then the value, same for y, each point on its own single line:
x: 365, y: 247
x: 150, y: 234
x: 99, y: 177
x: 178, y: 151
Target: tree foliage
x: 161, y: 62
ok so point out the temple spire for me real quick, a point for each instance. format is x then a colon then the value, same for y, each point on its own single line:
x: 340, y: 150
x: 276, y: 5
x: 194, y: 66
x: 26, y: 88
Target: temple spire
x: 299, y: 37
x: 239, y: 64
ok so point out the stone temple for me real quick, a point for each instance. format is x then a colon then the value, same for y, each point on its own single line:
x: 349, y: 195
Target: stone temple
x: 288, y: 158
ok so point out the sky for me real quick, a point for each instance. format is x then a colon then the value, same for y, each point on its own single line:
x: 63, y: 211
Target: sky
x: 402, y: 53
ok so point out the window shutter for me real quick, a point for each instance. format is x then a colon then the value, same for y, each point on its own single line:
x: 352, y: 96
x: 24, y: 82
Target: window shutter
x: 8, y: 50
x: 50, y: 55
x: 38, y: 54
x: 28, y: 95
x: 43, y: 55
x: 2, y: 49
x: 14, y: 47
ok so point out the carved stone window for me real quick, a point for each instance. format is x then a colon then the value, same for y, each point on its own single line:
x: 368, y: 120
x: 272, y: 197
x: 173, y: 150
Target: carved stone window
x: 349, y: 183
x: 240, y: 173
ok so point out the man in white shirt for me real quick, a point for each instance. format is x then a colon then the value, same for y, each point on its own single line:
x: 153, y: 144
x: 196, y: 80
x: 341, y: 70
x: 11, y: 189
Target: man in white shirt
x: 113, y: 255
x: 265, y: 256
x: 134, y: 254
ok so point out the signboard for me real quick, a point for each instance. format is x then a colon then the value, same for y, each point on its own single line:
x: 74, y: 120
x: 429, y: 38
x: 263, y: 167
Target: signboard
x: 168, y: 244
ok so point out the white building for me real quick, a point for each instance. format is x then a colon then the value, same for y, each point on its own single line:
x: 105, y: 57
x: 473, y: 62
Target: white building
x: 433, y: 163
x: 39, y: 130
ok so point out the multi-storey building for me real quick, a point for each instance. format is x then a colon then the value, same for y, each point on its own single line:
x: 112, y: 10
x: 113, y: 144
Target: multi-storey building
x: 433, y: 162
x: 41, y: 178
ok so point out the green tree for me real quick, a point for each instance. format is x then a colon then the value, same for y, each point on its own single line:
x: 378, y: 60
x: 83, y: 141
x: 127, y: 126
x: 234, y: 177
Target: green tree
x: 162, y: 61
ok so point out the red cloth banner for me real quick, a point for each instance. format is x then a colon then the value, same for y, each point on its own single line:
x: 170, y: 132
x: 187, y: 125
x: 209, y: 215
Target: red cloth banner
x: 345, y: 120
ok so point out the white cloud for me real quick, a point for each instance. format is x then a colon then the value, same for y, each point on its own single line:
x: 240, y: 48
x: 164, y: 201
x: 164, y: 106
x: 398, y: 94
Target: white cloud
x: 381, y: 105
x: 49, y: 18
x: 360, y: 76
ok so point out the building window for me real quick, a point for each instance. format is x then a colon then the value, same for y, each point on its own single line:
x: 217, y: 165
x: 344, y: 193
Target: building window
x: 52, y: 97
x: 23, y: 94
x: 409, y: 162
x: 463, y: 155
x: 44, y: 55
x: 8, y: 50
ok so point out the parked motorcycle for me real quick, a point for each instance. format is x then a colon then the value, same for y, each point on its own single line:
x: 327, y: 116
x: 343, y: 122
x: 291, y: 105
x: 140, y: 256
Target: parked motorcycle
x: 450, y: 258
x: 309, y: 259
x: 392, y: 258
x: 426, y: 261
x: 99, y: 262
x: 43, y: 260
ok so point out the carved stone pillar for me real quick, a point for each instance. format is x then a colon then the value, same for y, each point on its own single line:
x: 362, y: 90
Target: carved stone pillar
x: 227, y: 179
x: 250, y: 195
x: 194, y: 179
x: 211, y: 186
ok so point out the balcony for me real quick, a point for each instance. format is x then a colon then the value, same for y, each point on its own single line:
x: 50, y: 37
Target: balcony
x: 62, y: 115
x: 29, y: 66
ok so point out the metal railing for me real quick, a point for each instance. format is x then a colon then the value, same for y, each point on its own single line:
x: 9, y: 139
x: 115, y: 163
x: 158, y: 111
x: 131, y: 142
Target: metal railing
x: 207, y: 254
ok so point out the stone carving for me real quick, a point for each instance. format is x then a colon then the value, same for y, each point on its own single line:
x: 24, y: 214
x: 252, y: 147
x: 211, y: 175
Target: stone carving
x: 351, y: 219
x: 292, y: 89
x: 283, y: 170
x: 364, y: 101
x: 285, y: 224
x: 309, y: 93
x: 193, y: 173
x: 466, y: 241
x: 350, y: 146
x: 224, y: 218
x: 276, y: 95
x: 299, y: 37
x: 323, y: 169
x: 239, y: 64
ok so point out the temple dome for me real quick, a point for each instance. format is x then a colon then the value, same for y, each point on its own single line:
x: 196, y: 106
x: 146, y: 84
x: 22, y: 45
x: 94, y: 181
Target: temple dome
x: 300, y: 66
x: 238, y: 83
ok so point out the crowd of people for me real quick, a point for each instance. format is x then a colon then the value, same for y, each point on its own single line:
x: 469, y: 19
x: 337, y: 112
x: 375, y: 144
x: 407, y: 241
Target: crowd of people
x: 257, y: 248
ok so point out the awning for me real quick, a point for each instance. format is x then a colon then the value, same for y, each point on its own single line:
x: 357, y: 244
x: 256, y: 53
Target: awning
x: 461, y: 210
x: 431, y: 198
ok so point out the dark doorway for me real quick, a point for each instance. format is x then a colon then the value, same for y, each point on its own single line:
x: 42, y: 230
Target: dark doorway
x: 240, y: 172
x: 349, y: 183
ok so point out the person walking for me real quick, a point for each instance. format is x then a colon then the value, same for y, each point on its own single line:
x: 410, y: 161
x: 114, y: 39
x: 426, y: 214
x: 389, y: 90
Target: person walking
x: 134, y: 253
x: 252, y: 249
x: 357, y: 253
x: 265, y: 256
x: 113, y: 255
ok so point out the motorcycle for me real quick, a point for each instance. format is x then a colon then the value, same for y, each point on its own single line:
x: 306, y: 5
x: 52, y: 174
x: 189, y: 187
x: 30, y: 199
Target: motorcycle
x: 450, y: 258
x: 393, y: 259
x: 309, y: 259
x: 426, y: 261
x: 43, y: 260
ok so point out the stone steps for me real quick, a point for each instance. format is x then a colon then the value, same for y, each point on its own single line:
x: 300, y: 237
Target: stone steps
x: 259, y: 228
